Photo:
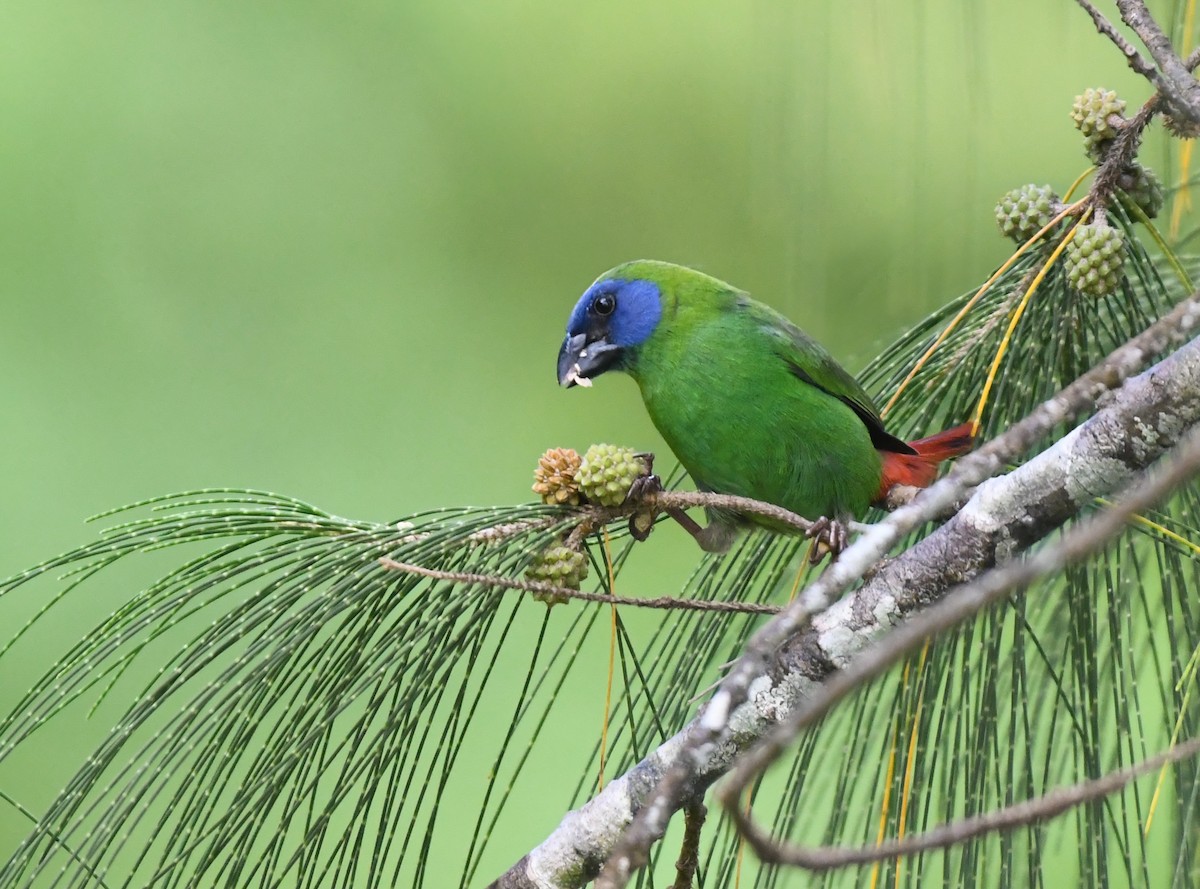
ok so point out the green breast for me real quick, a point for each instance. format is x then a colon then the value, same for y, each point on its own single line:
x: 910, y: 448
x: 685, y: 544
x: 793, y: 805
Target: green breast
x: 741, y: 422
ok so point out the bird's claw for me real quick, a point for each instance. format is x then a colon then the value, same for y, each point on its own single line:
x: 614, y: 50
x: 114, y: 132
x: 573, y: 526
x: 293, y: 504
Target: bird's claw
x: 827, y: 536
x: 642, y: 521
x: 647, y: 483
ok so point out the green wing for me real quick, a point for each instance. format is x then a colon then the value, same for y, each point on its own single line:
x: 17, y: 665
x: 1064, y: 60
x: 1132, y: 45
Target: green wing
x: 810, y: 363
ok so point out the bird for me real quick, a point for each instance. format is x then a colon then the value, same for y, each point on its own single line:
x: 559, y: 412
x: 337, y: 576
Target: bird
x: 749, y: 404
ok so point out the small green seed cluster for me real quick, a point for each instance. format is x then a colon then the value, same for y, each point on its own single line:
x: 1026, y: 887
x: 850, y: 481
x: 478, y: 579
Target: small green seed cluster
x: 1094, y: 259
x: 1095, y: 255
x: 558, y: 565
x: 1144, y: 188
x: 607, y: 472
x: 1091, y: 113
x: 1025, y: 211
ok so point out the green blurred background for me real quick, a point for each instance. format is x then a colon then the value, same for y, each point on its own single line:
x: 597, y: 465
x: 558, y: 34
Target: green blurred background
x: 329, y: 249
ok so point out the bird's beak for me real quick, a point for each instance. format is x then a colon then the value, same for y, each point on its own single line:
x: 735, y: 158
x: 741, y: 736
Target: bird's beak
x: 580, y: 359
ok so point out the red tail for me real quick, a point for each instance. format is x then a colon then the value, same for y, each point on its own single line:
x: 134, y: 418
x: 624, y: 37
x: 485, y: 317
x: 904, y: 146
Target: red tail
x: 920, y: 469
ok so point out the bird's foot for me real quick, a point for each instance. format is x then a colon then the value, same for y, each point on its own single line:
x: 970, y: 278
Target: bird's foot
x: 828, y: 536
x: 642, y: 522
x: 647, y: 483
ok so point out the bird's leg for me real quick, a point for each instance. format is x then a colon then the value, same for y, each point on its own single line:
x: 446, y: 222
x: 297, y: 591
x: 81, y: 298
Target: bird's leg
x: 716, y: 538
x: 688, y: 523
x: 827, y: 536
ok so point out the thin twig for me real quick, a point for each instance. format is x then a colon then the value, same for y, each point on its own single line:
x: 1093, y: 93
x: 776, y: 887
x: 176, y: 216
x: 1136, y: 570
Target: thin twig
x: 1056, y: 802
x: 505, y: 530
x: 593, y: 516
x: 1169, y: 75
x: 957, y: 606
x: 1105, y: 27
x: 689, y: 850
x: 743, y: 505
x: 538, y: 586
x: 1176, y: 82
x: 1122, y: 152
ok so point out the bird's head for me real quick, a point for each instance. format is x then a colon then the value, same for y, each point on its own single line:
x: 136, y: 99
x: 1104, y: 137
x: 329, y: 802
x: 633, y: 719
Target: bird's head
x: 612, y: 318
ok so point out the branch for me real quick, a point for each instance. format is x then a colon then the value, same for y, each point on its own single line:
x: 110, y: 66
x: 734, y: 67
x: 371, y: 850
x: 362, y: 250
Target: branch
x: 1141, y: 422
x: 668, y: 603
x: 1017, y: 815
x: 1105, y: 27
x: 1170, y: 75
x: 1177, y: 85
x: 689, y: 852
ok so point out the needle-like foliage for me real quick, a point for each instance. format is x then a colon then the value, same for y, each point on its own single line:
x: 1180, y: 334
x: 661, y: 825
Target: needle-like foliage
x: 309, y: 706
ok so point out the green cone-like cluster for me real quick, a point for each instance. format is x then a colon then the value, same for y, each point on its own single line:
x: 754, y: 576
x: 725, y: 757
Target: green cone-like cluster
x: 1091, y: 112
x: 560, y: 566
x: 607, y: 472
x: 1024, y: 211
x: 1094, y: 259
x: 1144, y: 188
x: 554, y: 478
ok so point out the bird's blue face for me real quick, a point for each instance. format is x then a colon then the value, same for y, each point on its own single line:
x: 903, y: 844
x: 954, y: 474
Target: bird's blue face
x: 612, y: 317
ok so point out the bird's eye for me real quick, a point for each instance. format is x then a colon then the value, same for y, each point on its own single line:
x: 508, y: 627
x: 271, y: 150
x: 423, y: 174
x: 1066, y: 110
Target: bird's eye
x: 604, y: 304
